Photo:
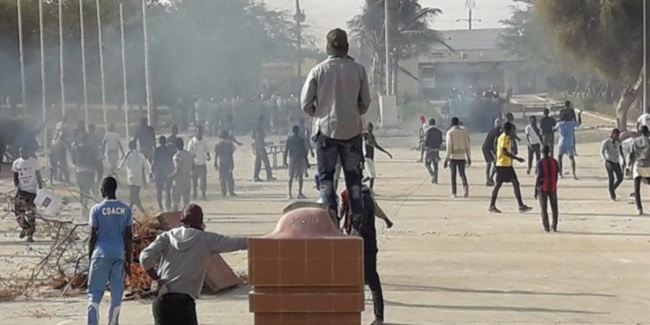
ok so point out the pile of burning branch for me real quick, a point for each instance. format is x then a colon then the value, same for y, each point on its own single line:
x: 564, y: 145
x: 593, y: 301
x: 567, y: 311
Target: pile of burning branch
x: 62, y: 266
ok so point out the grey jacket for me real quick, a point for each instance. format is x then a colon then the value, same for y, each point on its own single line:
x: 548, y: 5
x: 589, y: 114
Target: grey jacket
x: 336, y: 94
x: 183, y: 253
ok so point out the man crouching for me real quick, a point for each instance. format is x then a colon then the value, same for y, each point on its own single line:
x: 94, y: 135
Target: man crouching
x: 183, y: 252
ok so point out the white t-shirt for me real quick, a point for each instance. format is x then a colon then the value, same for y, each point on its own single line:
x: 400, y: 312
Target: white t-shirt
x: 112, y: 140
x: 26, y: 170
x: 532, y: 135
x: 199, y: 150
x: 644, y: 119
x: 137, y: 168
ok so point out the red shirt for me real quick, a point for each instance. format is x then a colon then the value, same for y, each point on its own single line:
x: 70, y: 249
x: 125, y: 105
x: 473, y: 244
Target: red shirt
x: 547, y: 172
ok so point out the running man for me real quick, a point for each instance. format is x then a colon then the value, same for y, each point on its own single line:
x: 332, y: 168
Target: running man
x: 137, y: 170
x: 224, y: 162
x: 198, y: 147
x: 547, y: 126
x: 546, y: 188
x: 433, y: 140
x: 111, y: 251
x: 611, y: 152
x: 27, y: 180
x: 641, y: 151
x: 534, y: 139
x: 505, y: 172
x: 459, y: 154
x: 489, y: 152
x: 370, y: 143
x: 113, y: 145
x: 182, y: 176
x: 162, y: 167
x: 566, y: 144
x: 295, y: 149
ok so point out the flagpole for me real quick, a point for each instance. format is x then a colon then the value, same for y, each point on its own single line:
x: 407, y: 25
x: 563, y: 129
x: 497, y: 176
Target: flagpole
x: 83, y: 62
x: 61, y: 65
x: 22, y: 55
x: 126, y: 94
x: 146, y: 62
x: 42, y: 43
x: 101, y: 63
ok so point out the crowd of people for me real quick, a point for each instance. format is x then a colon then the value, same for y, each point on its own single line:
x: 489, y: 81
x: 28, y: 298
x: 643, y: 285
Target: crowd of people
x: 340, y: 142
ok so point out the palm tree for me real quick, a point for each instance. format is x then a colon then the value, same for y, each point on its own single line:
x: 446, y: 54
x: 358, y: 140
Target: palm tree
x: 410, y: 35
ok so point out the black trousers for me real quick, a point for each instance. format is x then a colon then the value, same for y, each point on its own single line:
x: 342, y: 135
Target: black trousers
x: 374, y: 283
x: 637, y: 190
x: 544, y: 199
x: 615, y: 175
x: 457, y: 167
x: 174, y: 309
x: 534, y: 151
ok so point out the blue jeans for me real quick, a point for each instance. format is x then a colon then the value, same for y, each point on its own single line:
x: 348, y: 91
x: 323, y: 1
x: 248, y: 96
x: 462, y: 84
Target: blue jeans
x: 350, y: 151
x: 105, y: 271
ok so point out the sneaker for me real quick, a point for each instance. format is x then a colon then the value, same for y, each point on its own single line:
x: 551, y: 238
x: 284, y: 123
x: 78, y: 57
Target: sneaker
x: 233, y: 194
x: 639, y: 212
x: 257, y: 180
x: 271, y: 178
x: 547, y: 229
x: 30, y: 239
x: 453, y: 196
x: 378, y: 322
x: 494, y: 210
x: 23, y: 233
x: 389, y: 224
x: 290, y: 197
x: 489, y: 184
x: 527, y: 171
x: 301, y: 197
x: 524, y: 208
x: 433, y: 180
x: 575, y: 177
x: 554, y: 228
x: 466, y: 194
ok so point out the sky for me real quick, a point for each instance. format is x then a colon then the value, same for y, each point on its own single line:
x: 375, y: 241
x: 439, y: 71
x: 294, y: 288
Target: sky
x: 323, y: 15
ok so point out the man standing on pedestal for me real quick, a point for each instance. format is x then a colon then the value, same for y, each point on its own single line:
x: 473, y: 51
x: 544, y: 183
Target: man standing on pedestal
x: 336, y: 94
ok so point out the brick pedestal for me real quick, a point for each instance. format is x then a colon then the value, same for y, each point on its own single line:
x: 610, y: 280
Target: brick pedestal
x: 306, y: 272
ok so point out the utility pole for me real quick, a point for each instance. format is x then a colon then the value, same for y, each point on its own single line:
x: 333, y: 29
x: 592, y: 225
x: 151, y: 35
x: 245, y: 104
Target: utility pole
x: 470, y: 5
x: 387, y: 45
x: 645, y: 56
x: 299, y: 18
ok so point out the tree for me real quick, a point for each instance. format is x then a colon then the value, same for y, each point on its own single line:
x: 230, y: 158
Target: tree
x: 410, y: 35
x: 197, y: 47
x: 605, y: 36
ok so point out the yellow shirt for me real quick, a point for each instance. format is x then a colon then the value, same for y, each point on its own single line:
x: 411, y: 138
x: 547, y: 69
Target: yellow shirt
x: 504, y: 142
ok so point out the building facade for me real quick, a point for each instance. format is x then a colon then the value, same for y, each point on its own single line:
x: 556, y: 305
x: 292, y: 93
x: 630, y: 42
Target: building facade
x: 474, y: 63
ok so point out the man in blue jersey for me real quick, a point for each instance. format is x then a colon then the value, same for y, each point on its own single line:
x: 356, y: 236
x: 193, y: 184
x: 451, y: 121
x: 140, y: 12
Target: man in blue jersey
x: 111, y: 251
x: 567, y: 143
